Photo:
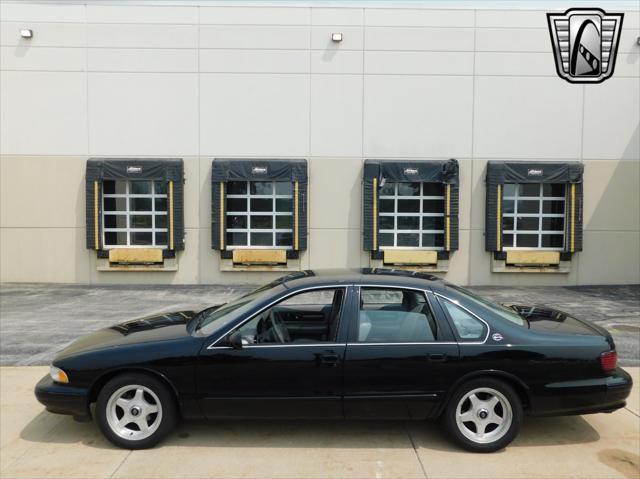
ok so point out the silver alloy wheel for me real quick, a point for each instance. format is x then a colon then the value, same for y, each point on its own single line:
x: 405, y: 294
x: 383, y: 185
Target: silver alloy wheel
x: 134, y: 412
x: 484, y: 415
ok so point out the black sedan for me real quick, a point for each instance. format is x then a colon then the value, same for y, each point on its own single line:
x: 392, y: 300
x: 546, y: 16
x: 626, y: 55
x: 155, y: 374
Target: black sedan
x: 341, y: 344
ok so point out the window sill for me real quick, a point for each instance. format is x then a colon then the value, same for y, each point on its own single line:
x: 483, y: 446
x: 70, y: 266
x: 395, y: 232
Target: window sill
x: 291, y: 265
x: 501, y: 266
x: 442, y: 266
x: 168, y: 265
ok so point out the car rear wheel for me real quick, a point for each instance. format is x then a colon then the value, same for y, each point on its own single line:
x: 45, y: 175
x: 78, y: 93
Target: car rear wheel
x: 484, y: 415
x: 135, y: 411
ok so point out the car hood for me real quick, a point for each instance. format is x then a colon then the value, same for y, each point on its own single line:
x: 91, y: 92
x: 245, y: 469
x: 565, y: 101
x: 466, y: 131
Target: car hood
x: 162, y: 327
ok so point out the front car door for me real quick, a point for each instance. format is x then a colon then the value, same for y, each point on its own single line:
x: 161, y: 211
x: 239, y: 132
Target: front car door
x: 291, y: 362
x: 401, y: 354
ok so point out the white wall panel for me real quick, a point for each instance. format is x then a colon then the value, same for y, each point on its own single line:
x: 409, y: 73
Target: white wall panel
x: 267, y: 37
x: 43, y: 59
x: 250, y: 15
x: 515, y: 63
x: 143, y: 114
x: 44, y: 34
x: 405, y: 17
x: 417, y: 116
x: 419, y: 63
x: 142, y: 14
x: 426, y: 39
x: 524, y: 117
x: 513, y: 18
x: 332, y: 61
x: 352, y: 38
x: 513, y: 40
x: 142, y: 36
x: 336, y: 115
x: 337, y: 16
x: 142, y: 60
x: 43, y: 113
x: 254, y: 115
x: 41, y: 12
x: 254, y: 61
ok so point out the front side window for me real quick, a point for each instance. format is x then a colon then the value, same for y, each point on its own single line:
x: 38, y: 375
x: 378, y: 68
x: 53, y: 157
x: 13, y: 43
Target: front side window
x: 304, y: 318
x: 395, y: 315
x: 259, y: 214
x: 134, y: 213
x: 412, y: 215
x: 533, y: 216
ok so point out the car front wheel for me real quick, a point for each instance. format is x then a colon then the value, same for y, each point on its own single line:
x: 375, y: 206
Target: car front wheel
x: 135, y: 411
x: 484, y: 415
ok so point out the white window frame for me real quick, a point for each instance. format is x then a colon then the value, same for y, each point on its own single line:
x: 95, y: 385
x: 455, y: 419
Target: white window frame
x: 248, y: 213
x: 395, y: 197
x: 540, y: 215
x: 128, y: 212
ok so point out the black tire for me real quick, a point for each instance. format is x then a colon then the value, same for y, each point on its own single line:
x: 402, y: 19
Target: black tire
x: 167, y: 422
x: 507, y: 392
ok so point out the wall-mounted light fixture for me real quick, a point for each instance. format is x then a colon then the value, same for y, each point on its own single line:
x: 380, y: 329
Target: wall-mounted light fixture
x: 336, y: 37
x: 26, y: 33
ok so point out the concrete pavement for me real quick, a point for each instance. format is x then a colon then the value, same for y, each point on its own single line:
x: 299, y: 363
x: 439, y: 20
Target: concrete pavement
x: 37, y: 444
x: 37, y: 320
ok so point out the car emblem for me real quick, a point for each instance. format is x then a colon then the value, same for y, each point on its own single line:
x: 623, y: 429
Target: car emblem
x: 496, y: 337
x: 585, y: 43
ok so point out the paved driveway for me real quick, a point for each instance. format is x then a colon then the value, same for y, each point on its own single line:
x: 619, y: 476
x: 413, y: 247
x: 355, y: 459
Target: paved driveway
x: 36, y: 444
x: 37, y: 320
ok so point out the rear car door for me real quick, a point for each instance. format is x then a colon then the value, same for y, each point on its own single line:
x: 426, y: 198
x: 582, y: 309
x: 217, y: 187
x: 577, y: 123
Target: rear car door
x: 401, y: 356
x: 277, y: 373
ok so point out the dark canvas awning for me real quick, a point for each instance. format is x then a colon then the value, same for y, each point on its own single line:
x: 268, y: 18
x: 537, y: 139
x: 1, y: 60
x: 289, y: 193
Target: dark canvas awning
x: 424, y: 171
x: 538, y: 172
x: 135, y: 169
x: 257, y: 170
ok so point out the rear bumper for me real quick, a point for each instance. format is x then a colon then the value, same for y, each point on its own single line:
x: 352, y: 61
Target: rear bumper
x: 584, y: 396
x: 63, y: 399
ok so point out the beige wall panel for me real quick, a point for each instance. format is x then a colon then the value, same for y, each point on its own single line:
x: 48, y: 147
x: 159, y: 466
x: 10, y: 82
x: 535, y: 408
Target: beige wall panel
x: 187, y: 273
x: 612, y: 119
x: 520, y: 117
x: 254, y: 115
x: 405, y: 17
x: 612, y: 195
x: 337, y: 16
x: 335, y: 248
x: 458, y: 272
x: 192, y: 192
x: 142, y: 36
x: 50, y: 59
x: 426, y: 39
x: 42, y: 192
x: 258, y: 37
x: 142, y: 60
x: 418, y: 63
x: 44, y: 255
x: 335, y: 200
x: 44, y: 34
x: 254, y: 61
x: 478, y: 193
x: 127, y: 118
x: 402, y: 120
x: 252, y: 15
x: 39, y: 12
x: 141, y: 14
x: 203, y: 193
x: 333, y: 61
x: 336, y: 115
x: 43, y: 113
x: 610, y: 257
x: 465, y: 187
x: 352, y: 38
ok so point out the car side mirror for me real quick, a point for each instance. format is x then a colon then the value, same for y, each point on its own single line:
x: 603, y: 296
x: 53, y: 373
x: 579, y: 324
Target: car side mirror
x: 235, y: 340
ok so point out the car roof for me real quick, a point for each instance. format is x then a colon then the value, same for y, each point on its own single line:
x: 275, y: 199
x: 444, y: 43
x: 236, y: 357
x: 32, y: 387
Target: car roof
x: 368, y: 276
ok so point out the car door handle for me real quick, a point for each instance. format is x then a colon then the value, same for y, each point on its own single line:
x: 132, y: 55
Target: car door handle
x: 437, y: 357
x: 329, y: 359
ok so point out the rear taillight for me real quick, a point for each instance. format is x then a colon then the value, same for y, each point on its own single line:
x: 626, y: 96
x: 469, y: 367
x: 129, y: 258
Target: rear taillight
x: 609, y: 360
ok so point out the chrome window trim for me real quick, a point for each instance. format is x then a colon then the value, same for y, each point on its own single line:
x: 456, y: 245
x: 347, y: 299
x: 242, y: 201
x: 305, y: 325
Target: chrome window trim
x: 403, y: 343
x: 457, y: 303
x: 310, y: 288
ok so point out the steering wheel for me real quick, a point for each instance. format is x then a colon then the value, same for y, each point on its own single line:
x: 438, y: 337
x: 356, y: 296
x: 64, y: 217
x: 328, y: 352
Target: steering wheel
x: 279, y: 329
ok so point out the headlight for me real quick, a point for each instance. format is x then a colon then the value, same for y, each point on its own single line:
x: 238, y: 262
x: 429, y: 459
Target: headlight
x: 58, y: 375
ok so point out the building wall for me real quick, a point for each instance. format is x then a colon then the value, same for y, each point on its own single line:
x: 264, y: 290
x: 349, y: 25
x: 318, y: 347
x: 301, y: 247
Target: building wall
x: 206, y: 81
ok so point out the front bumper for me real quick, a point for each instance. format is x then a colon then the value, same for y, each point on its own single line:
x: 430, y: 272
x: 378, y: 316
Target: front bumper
x: 584, y: 396
x: 63, y: 398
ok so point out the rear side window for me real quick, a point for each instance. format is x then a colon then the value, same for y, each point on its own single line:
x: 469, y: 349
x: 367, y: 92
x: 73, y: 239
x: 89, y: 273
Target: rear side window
x: 468, y: 327
x: 395, y: 316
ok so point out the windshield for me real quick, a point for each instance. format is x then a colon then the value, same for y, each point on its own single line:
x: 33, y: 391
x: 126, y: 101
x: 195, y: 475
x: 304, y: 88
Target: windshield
x: 498, y: 309
x: 213, y: 320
